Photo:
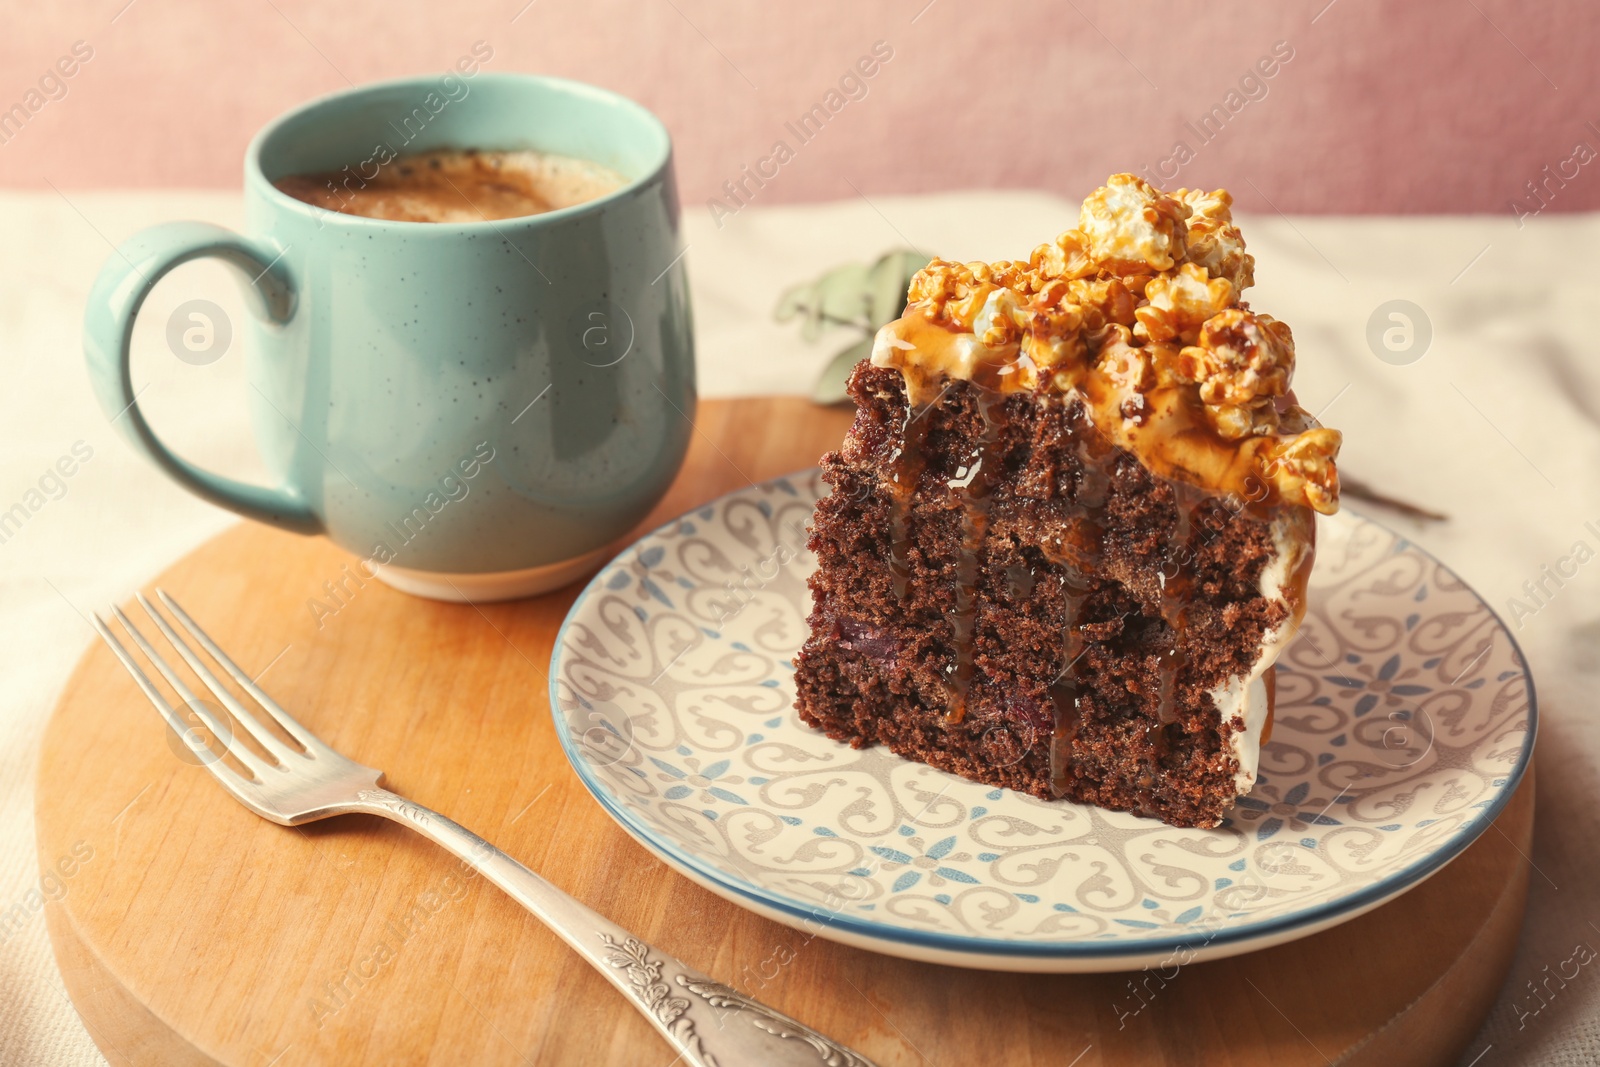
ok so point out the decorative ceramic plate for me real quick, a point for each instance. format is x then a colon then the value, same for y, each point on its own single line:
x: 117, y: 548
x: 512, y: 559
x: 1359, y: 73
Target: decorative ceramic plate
x: 1405, y: 719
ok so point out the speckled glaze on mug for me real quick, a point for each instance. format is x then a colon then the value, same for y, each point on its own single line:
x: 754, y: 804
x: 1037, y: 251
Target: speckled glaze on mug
x: 478, y: 410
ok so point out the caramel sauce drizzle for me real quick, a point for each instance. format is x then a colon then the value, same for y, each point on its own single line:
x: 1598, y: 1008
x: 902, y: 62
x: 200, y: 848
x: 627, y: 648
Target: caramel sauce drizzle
x: 906, y: 465
x: 1174, y: 444
x: 1066, y: 691
x: 1076, y: 553
x: 971, y: 486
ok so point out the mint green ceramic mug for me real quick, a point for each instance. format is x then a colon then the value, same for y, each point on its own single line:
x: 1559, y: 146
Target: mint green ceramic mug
x: 476, y: 410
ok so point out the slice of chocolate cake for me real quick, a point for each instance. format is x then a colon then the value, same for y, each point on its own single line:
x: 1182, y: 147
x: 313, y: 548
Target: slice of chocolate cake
x: 1071, y: 525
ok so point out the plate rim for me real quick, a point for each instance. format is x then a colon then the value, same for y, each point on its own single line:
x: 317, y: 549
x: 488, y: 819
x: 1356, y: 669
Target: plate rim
x: 1354, y: 904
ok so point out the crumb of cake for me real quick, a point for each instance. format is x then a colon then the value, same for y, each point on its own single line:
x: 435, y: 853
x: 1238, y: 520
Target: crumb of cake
x: 1142, y: 298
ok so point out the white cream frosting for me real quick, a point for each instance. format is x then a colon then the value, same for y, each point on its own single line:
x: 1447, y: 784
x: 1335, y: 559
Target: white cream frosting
x: 1243, y: 699
x: 955, y: 356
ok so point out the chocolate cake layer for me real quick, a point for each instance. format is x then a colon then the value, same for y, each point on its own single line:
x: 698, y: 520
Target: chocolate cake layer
x: 1004, y: 594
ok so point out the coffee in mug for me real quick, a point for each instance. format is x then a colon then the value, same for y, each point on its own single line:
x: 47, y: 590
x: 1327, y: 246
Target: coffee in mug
x: 458, y: 185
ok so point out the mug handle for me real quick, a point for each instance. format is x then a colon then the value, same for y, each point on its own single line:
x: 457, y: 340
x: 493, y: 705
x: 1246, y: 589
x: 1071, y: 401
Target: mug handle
x: 120, y: 290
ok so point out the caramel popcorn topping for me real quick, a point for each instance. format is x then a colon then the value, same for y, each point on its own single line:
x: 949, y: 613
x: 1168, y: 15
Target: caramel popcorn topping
x: 1137, y: 310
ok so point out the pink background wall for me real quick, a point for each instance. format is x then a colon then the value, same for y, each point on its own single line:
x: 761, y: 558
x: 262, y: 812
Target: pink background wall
x: 1405, y: 107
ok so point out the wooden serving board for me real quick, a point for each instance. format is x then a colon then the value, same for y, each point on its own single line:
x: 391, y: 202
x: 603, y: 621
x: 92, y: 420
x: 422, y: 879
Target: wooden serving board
x: 192, y: 932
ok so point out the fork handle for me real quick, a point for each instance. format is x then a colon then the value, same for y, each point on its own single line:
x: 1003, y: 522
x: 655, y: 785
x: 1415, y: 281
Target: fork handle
x: 710, y: 1024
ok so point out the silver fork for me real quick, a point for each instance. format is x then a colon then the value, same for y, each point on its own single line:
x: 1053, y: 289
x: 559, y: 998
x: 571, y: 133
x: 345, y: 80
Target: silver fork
x: 709, y: 1023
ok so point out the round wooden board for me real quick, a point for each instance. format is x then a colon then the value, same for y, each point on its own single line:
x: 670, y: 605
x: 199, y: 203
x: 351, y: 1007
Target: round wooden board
x: 192, y: 932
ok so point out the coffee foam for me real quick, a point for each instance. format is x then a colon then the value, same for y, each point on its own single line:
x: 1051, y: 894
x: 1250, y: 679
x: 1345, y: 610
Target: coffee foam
x: 458, y: 185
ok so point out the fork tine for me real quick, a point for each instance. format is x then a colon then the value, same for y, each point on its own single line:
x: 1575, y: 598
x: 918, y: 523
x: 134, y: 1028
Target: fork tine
x: 290, y: 725
x: 219, y: 729
x: 225, y: 774
x: 242, y: 715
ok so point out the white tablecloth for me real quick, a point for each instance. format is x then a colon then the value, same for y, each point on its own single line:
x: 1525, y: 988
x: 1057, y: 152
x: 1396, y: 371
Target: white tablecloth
x: 1498, y: 425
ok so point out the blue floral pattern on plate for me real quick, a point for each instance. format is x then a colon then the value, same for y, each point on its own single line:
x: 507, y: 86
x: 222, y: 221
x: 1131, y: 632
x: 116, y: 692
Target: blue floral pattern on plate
x: 1404, y: 720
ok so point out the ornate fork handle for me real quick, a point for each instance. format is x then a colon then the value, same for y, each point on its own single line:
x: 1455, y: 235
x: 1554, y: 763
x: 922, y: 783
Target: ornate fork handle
x: 711, y: 1024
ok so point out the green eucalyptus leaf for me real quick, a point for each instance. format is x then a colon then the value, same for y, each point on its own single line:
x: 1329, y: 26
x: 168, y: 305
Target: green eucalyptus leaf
x: 795, y: 299
x: 804, y: 300
x: 830, y: 384
x: 891, y: 275
x: 851, y: 294
x: 845, y: 293
x: 811, y: 329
